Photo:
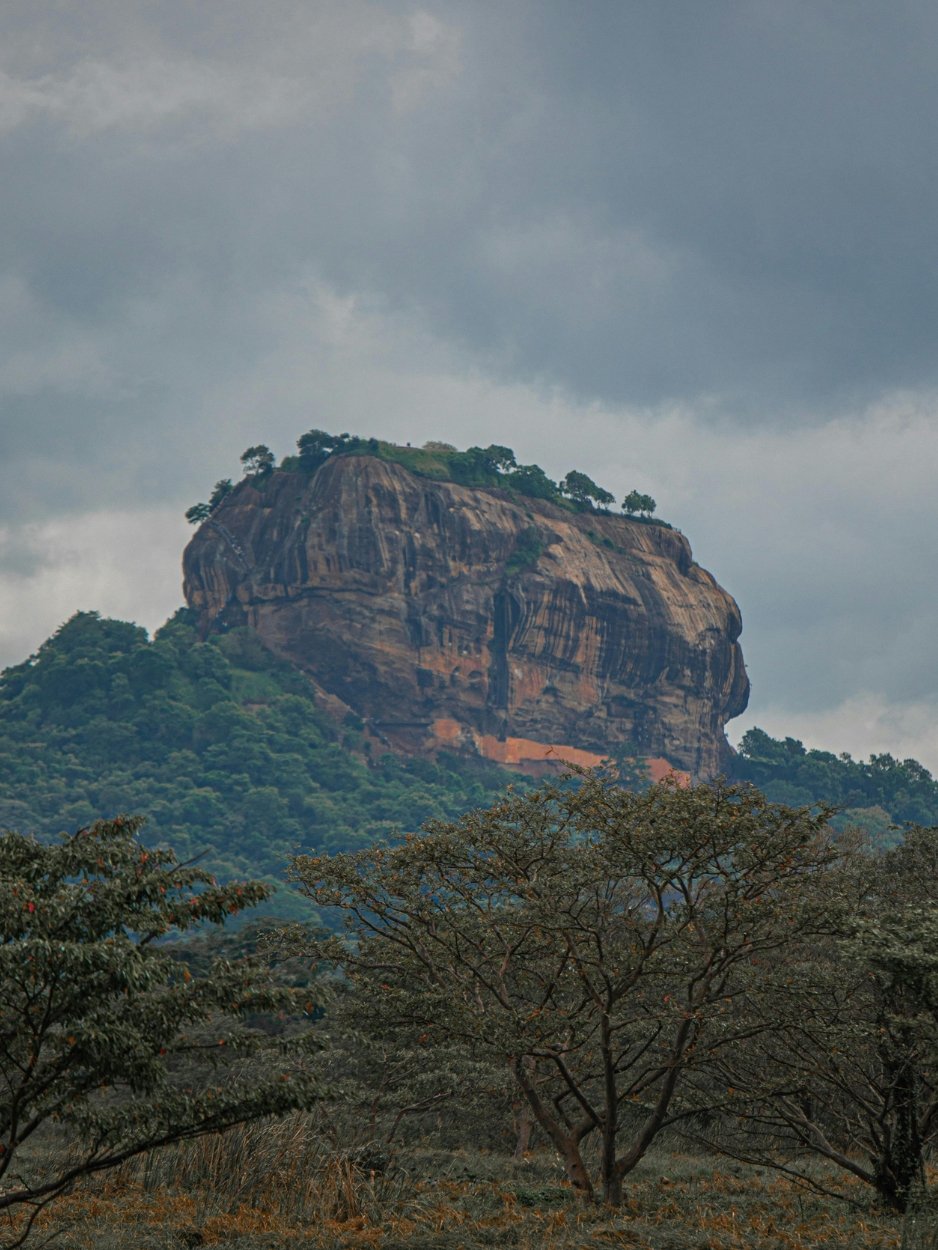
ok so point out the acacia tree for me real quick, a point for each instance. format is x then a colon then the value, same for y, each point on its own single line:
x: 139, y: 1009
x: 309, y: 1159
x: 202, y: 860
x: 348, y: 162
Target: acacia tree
x: 500, y: 459
x: 223, y: 487
x: 584, y: 491
x: 315, y: 447
x: 258, y: 461
x: 198, y: 513
x: 594, y: 941
x: 635, y: 501
x: 849, y: 1072
x: 102, y: 1032
x: 530, y: 479
x: 390, y: 1077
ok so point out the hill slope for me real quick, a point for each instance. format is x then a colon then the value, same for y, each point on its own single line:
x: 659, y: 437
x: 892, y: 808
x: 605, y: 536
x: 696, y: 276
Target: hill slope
x: 223, y: 749
x: 875, y: 794
x: 218, y: 744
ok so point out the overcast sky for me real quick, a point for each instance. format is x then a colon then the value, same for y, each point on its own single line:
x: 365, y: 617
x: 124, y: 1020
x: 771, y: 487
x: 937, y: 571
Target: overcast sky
x: 687, y: 248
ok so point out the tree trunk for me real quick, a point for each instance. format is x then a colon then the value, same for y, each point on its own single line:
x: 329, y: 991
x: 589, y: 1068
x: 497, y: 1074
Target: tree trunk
x: 576, y: 1171
x: 901, y: 1164
x: 612, y: 1188
x: 567, y: 1142
x: 612, y: 1177
x: 524, y: 1122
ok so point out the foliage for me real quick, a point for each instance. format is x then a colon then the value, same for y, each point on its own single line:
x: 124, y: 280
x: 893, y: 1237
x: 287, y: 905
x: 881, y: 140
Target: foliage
x: 315, y: 446
x: 530, y: 479
x: 221, y: 488
x: 637, y: 502
x: 584, y: 491
x: 498, y: 459
x: 495, y: 465
x: 492, y: 466
x: 385, y: 1078
x: 198, y: 513
x: 788, y: 773
x: 527, y: 551
x: 258, y: 461
x: 222, y: 746
x: 101, y: 1032
x: 848, y: 1070
x: 590, y: 940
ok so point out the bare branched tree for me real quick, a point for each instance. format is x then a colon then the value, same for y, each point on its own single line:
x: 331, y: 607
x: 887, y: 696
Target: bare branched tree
x: 597, y: 942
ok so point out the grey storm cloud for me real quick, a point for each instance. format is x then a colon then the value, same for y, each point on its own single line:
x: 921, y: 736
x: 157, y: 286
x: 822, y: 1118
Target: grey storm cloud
x: 687, y: 246
x: 639, y: 203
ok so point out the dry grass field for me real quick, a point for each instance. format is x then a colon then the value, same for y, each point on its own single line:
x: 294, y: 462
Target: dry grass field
x: 278, y: 1186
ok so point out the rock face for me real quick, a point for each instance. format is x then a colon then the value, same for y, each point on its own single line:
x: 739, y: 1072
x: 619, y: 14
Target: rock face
x: 448, y: 616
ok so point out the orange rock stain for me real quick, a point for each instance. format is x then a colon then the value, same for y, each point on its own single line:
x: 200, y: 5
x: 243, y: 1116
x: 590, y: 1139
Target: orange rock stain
x: 447, y: 732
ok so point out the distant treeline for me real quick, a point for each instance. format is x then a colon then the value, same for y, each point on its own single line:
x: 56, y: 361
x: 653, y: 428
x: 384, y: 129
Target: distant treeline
x: 876, y: 792
x: 224, y: 750
x: 218, y: 744
x: 478, y: 466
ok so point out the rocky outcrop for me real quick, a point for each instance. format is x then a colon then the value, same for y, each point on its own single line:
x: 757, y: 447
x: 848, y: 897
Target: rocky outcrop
x: 475, y: 619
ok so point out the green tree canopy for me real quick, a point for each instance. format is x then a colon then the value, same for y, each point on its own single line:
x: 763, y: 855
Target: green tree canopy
x: 258, y: 461
x: 197, y: 735
x: 198, y: 513
x: 102, y: 1032
x: 315, y: 447
x: 882, y: 786
x: 495, y: 458
x: 530, y: 479
x: 583, y: 490
x: 847, y: 1072
x: 221, y: 488
x: 635, y: 501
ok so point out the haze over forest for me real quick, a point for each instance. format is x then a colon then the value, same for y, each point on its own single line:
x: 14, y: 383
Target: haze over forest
x: 685, y: 248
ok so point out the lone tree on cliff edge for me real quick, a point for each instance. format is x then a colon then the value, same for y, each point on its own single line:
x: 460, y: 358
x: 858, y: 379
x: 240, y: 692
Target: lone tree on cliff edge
x: 635, y: 501
x: 258, y: 461
x: 584, y: 491
x: 591, y: 941
x: 106, y: 1035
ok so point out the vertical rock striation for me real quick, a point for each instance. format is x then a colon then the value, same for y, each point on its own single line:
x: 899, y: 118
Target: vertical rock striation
x: 476, y: 619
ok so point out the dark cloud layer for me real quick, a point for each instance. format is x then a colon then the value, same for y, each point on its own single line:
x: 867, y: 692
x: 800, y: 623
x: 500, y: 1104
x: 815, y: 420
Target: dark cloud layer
x: 636, y: 202
x: 226, y: 223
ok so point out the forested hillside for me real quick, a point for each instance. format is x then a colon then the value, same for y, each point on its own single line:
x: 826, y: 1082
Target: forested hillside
x: 218, y: 745
x: 223, y: 749
x: 877, y: 793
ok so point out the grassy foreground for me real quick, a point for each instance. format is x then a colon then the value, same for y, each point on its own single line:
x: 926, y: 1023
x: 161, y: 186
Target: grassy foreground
x: 279, y: 1185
